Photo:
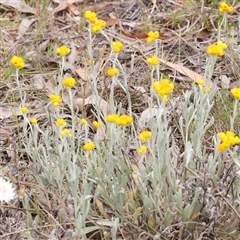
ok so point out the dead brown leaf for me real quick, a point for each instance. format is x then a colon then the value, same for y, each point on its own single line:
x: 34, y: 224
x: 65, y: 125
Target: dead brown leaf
x: 63, y: 4
x: 183, y: 70
x: 112, y: 21
x: 146, y: 115
x: 83, y: 73
x: 73, y: 9
x: 19, y: 5
x: 99, y: 6
x: 73, y: 55
x: 81, y: 102
x: 40, y: 83
x: 7, y: 111
x: 140, y: 89
x: 24, y: 25
x: 70, y: 66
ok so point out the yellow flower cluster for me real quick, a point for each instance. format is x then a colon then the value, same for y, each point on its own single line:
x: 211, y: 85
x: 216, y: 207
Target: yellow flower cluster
x: 83, y: 121
x: 200, y: 81
x: 152, y: 36
x: 97, y: 25
x: 89, y: 146
x: 24, y: 110
x: 69, y: 82
x: 60, y: 122
x: 124, y: 120
x: 228, y: 139
x: 121, y: 120
x: 224, y: 7
x: 63, y: 51
x: 90, y: 62
x: 236, y: 93
x: 206, y: 89
x: 117, y: 46
x: 153, y: 60
x: 112, y: 118
x: 143, y: 136
x: 217, y: 49
x: 34, y: 121
x: 142, y: 149
x: 97, y: 124
x: 17, y: 62
x: 91, y: 16
x: 163, y: 88
x: 66, y: 133
x: 112, y: 71
x: 56, y: 99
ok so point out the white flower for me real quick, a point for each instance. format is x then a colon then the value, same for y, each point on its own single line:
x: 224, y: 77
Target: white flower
x: 6, y: 190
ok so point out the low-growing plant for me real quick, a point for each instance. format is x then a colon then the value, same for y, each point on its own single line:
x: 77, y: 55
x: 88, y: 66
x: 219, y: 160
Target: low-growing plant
x: 157, y: 178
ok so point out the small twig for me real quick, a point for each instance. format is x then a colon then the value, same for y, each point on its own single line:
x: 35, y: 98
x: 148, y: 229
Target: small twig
x: 20, y: 209
x: 195, y: 174
x: 230, y: 205
x: 29, y: 229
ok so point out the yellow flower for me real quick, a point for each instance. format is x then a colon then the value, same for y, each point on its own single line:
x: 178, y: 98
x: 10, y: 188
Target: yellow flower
x: 153, y: 60
x: 56, y: 99
x: 60, y: 122
x: 91, y: 16
x: 117, y: 46
x: 17, y: 62
x: 221, y: 147
x: 90, y: 62
x: 228, y: 139
x: 24, y: 109
x: 34, y: 121
x: 200, y: 81
x: 142, y: 149
x: 83, y: 121
x: 89, y: 146
x: 112, y: 118
x: 157, y: 86
x: 112, y: 71
x: 236, y: 93
x: 149, y: 40
x: 63, y: 51
x: 87, y: 14
x: 224, y: 7
x: 69, y: 82
x: 163, y: 88
x: 98, y: 25
x: 102, y: 23
x: 96, y: 28
x: 97, y: 124
x: 222, y: 44
x: 145, y: 135
x: 217, y: 49
x: 66, y: 133
x: 152, y: 36
x: 124, y: 120
x: 206, y: 89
